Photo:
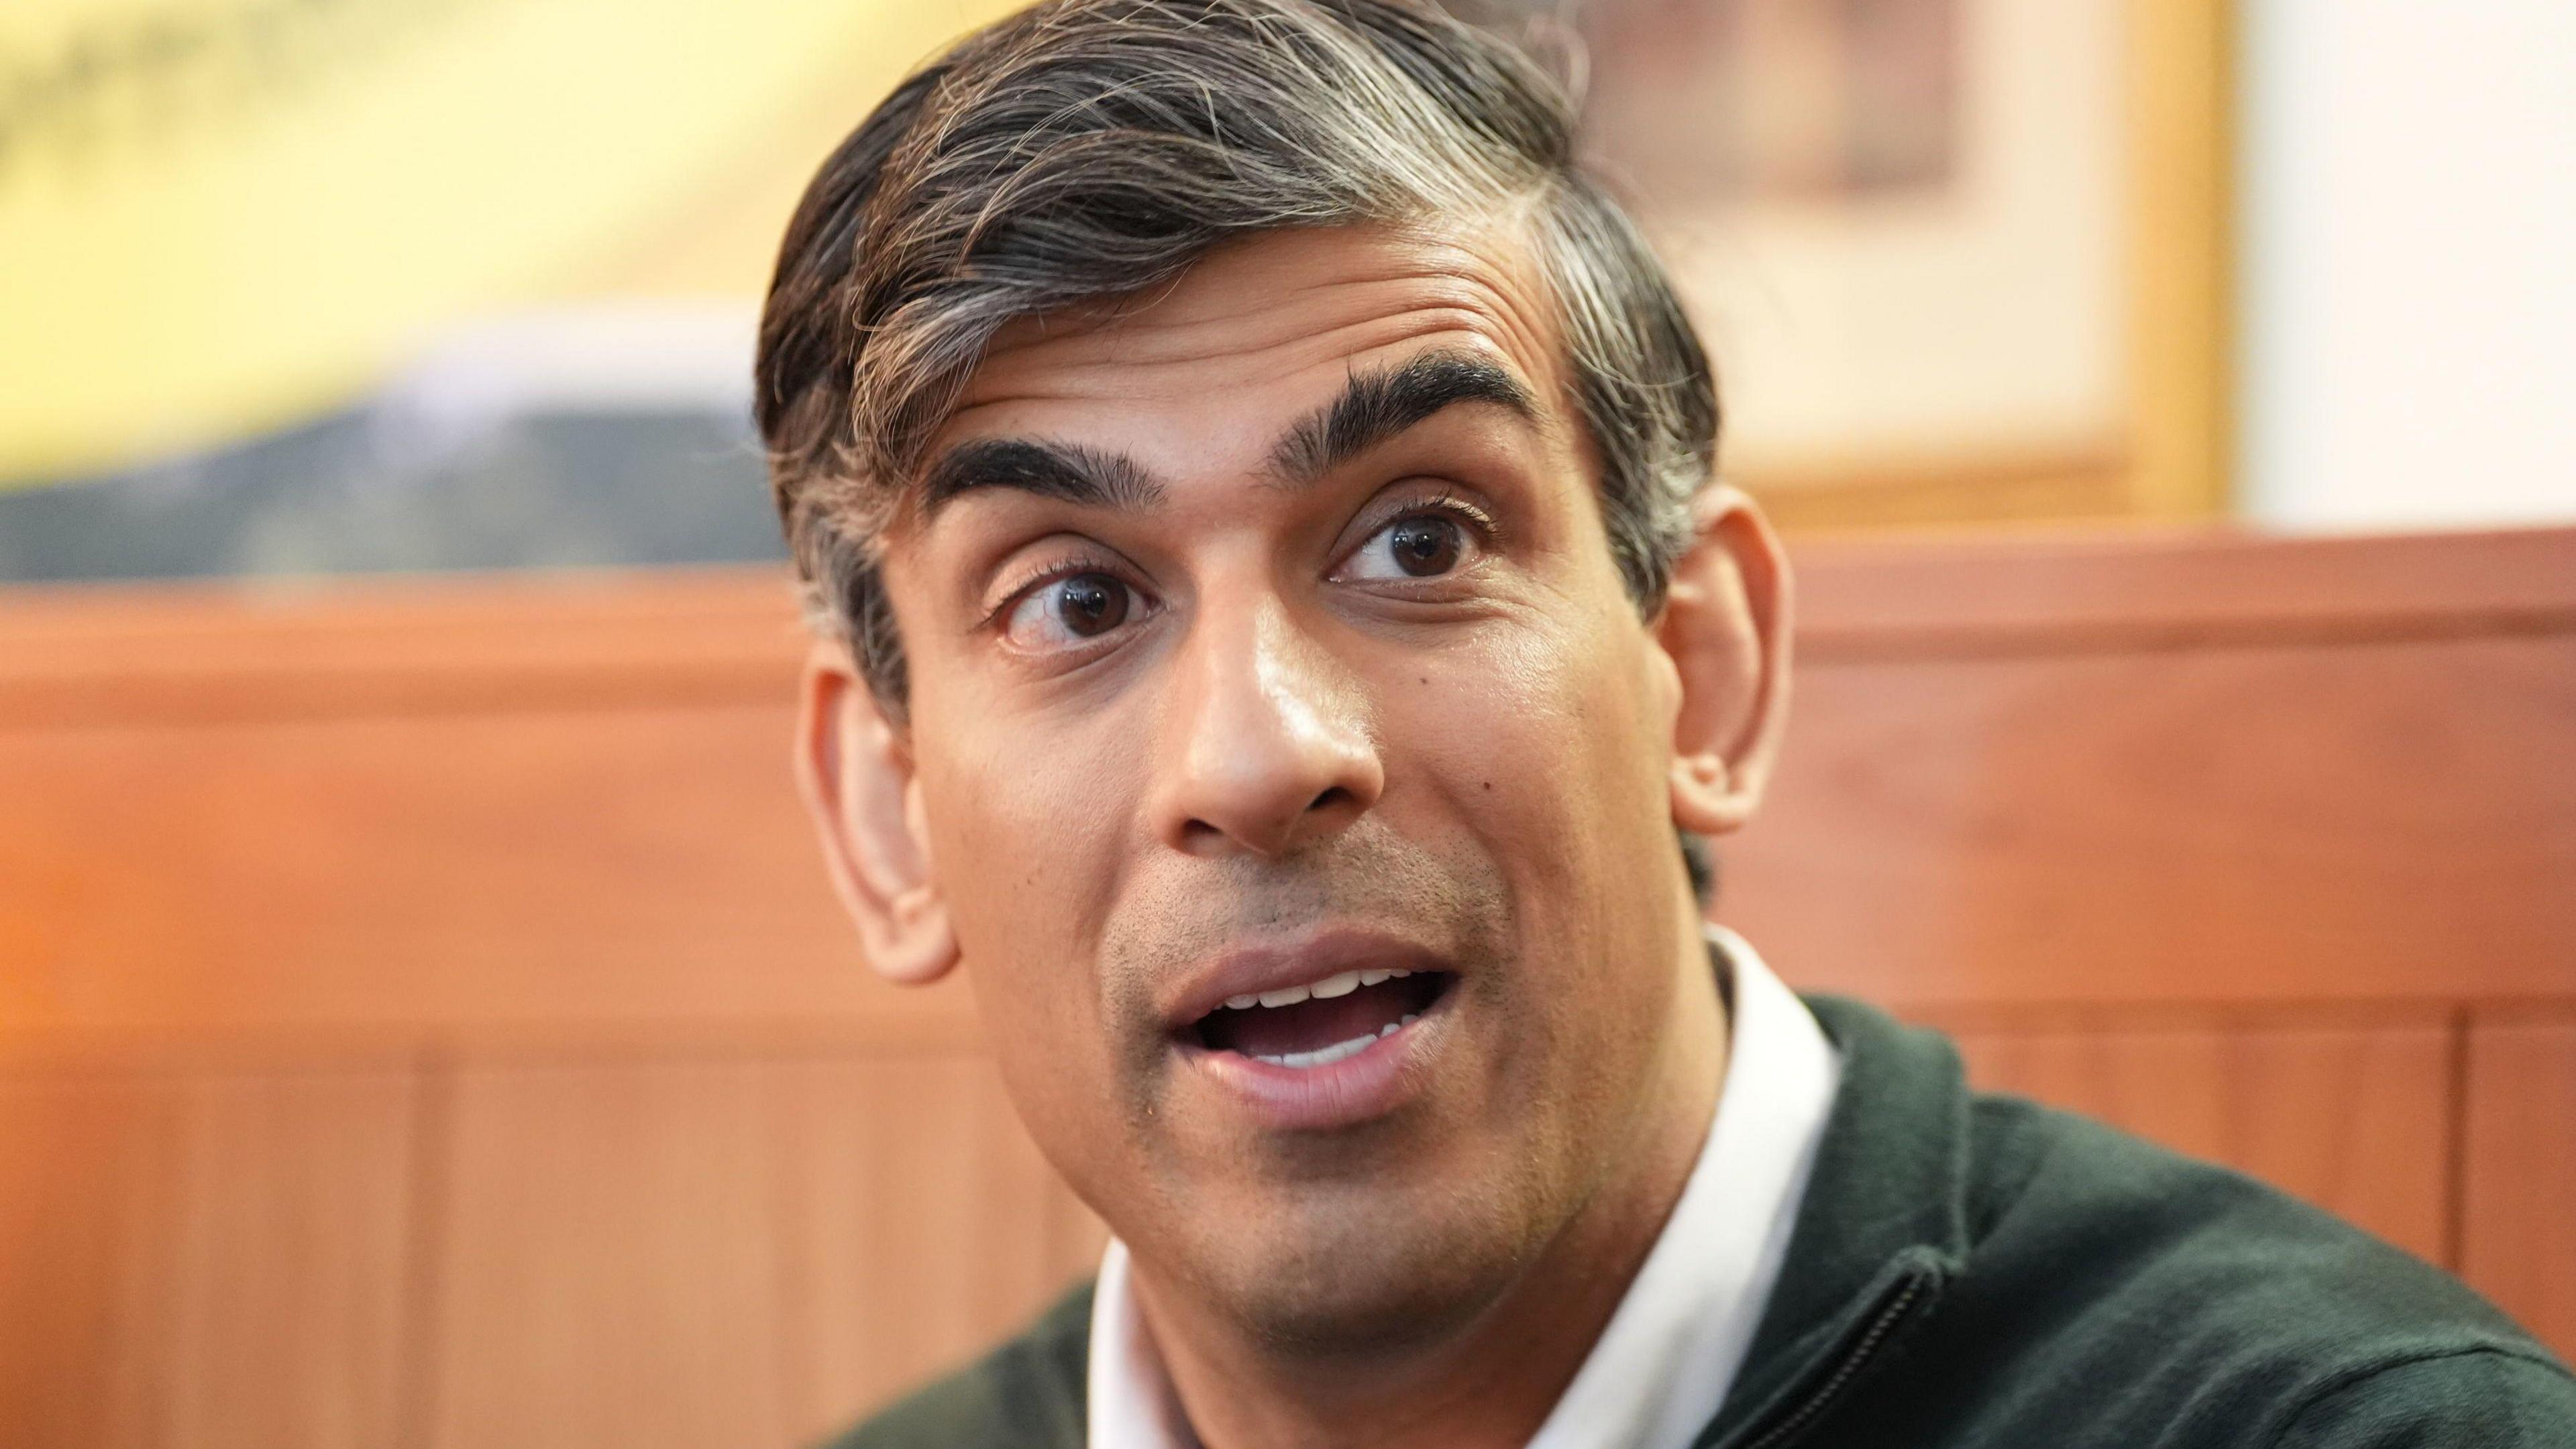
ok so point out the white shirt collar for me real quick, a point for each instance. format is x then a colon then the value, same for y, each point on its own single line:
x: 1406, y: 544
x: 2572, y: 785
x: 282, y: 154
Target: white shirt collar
x: 1663, y: 1365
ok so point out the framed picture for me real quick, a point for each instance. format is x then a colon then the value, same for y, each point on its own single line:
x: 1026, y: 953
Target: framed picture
x: 1958, y: 260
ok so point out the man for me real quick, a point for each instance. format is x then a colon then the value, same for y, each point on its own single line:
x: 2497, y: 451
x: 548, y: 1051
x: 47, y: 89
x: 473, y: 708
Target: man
x: 1280, y: 623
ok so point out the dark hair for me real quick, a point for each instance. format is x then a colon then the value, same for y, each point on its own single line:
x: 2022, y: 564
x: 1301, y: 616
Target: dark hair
x: 1083, y: 150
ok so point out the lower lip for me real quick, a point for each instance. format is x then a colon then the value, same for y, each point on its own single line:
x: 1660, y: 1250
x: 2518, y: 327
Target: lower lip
x: 1366, y: 1084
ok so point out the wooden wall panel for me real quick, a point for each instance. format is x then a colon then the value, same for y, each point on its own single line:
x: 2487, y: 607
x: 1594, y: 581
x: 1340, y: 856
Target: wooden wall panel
x: 2212, y: 836
x: 657, y: 1252
x: 2123, y: 589
x: 917, y: 1217
x: 606, y: 1271
x: 269, y: 649
x: 2203, y: 767
x: 288, y: 1284
x: 2250, y: 823
x: 86, y: 1209
x: 434, y: 871
x: 2519, y: 1196
x: 202, y: 1260
x: 2356, y: 1119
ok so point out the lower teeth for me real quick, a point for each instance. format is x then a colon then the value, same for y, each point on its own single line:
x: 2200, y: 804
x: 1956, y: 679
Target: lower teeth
x: 1322, y: 1056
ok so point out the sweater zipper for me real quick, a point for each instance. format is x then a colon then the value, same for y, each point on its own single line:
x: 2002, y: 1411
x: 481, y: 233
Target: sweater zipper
x: 1892, y: 1311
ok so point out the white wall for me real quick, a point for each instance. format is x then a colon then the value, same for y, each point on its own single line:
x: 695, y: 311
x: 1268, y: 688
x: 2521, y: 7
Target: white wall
x: 2408, y: 263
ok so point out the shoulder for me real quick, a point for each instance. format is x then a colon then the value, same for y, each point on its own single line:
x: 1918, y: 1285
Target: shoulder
x: 2095, y: 1289
x: 2224, y: 1301
x: 2465, y: 1400
x: 1028, y: 1391
x: 2133, y: 1220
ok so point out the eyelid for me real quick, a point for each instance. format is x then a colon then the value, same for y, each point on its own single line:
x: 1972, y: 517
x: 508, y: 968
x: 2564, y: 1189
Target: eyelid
x: 1445, y: 501
x: 1442, y: 500
x: 1066, y: 567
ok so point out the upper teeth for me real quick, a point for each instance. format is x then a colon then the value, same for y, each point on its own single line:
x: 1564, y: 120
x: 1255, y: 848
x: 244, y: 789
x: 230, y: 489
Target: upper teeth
x: 1326, y: 989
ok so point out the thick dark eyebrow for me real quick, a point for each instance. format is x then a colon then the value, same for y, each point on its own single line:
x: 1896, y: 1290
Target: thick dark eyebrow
x: 1067, y: 471
x: 1376, y: 406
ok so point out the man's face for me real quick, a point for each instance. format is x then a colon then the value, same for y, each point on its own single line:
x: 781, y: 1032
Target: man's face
x: 1262, y: 635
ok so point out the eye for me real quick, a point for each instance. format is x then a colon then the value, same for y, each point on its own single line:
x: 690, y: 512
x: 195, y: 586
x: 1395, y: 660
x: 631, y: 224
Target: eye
x: 1418, y: 545
x: 1069, y: 610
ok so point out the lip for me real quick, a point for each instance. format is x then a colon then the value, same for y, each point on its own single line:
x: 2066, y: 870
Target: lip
x: 1370, y: 1083
x: 1375, y: 1081
x: 1298, y: 962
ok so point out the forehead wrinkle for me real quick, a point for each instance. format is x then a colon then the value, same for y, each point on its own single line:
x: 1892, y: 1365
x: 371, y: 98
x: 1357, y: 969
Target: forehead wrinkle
x: 1292, y: 314
x: 1347, y: 344
x: 1457, y: 289
x: 1067, y: 371
x: 1268, y: 310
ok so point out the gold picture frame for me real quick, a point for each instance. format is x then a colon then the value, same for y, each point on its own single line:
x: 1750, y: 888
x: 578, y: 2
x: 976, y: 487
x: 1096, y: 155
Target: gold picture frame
x: 2153, y: 440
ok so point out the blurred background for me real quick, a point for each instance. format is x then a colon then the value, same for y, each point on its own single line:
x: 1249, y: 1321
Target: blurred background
x: 421, y: 1017
x: 321, y: 286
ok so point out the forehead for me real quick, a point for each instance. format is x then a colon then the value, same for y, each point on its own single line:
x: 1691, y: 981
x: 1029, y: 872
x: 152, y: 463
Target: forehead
x: 1257, y: 331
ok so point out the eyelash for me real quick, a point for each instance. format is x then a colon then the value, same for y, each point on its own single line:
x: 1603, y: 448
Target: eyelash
x: 1480, y: 525
x: 1064, y: 568
x: 1444, y: 503
x: 1447, y: 503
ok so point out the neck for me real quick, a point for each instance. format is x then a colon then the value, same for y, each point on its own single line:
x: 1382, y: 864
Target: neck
x: 1492, y: 1382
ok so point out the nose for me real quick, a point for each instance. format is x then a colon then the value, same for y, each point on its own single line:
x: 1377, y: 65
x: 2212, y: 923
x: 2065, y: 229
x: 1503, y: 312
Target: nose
x: 1269, y: 745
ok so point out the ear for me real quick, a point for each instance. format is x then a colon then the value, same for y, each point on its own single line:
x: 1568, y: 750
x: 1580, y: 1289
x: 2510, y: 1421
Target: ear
x: 854, y: 768
x: 1725, y: 626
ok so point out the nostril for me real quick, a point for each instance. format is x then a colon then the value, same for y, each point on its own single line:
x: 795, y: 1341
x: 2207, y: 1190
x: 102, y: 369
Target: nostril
x: 1334, y: 796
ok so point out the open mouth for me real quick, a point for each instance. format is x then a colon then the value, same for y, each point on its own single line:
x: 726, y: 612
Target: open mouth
x: 1323, y: 1022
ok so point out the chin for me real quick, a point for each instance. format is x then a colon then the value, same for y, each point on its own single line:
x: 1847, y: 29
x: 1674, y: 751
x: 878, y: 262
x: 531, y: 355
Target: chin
x: 1356, y: 1275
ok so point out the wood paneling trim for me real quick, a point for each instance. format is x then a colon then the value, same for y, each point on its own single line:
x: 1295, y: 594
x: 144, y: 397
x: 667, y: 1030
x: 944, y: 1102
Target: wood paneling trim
x: 487, y: 643
x: 2114, y: 591
x: 95, y: 655
x: 906, y: 1022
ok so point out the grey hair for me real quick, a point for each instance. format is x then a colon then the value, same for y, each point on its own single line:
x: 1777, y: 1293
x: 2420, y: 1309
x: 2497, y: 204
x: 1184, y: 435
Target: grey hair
x: 1085, y: 150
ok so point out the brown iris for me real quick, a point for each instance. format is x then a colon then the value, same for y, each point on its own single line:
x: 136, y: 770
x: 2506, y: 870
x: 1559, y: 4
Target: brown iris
x: 1425, y: 546
x: 1091, y: 604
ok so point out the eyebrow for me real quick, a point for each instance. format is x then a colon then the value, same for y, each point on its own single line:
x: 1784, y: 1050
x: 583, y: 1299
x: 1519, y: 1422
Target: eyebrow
x: 1377, y: 406
x: 1068, y: 471
x: 1373, y: 408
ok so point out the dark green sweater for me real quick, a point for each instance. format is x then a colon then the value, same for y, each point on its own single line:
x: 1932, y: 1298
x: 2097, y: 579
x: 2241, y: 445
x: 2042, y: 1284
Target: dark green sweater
x: 1972, y: 1270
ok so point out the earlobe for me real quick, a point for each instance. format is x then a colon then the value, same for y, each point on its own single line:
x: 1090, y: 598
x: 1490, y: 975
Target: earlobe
x: 855, y: 774
x: 1725, y: 628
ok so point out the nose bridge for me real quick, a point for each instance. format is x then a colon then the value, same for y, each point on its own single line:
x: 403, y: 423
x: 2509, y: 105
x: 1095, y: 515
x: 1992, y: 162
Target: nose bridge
x: 1273, y: 736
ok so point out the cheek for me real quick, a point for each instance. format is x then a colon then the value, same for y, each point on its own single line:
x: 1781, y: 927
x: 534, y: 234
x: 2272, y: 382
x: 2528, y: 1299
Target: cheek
x: 1026, y: 844
x: 1026, y: 830
x: 1541, y: 739
x: 1540, y: 748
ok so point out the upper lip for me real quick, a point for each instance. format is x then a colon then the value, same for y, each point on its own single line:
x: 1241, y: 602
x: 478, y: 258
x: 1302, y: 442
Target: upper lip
x: 1298, y: 962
